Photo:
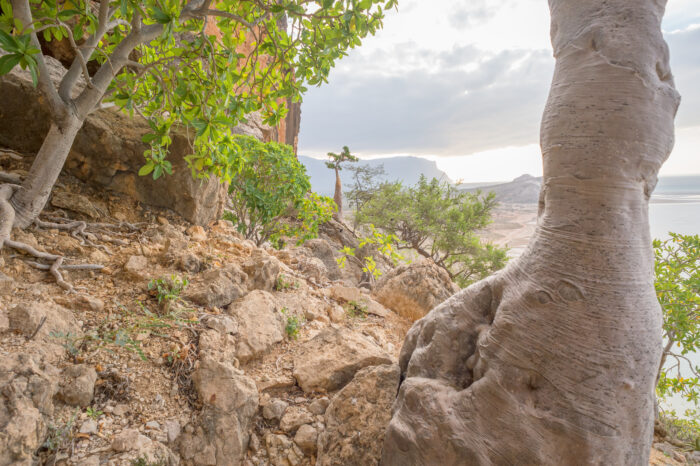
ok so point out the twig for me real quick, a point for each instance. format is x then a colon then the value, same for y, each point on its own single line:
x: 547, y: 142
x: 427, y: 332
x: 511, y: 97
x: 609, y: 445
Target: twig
x: 38, y: 327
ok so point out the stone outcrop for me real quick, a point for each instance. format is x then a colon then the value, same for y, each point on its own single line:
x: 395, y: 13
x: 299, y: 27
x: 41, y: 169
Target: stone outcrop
x: 218, y: 287
x: 413, y: 290
x: 27, y: 388
x: 330, y: 359
x: 260, y: 324
x: 357, y: 418
x: 108, y: 151
x: 230, y: 401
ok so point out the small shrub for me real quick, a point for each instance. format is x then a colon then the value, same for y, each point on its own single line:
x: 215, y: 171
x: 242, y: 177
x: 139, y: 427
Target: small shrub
x: 685, y: 429
x: 168, y: 289
x: 271, y: 187
x: 356, y: 310
x: 293, y: 325
x: 282, y: 284
x: 59, y: 437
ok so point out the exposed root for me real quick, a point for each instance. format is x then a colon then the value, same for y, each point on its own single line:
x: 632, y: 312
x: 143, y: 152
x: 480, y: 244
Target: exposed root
x: 10, y: 178
x: 55, y: 267
x: 14, y: 155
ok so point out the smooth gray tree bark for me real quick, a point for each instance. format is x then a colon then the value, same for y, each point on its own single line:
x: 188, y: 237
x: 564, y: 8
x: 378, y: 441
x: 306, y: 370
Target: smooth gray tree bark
x: 554, y: 359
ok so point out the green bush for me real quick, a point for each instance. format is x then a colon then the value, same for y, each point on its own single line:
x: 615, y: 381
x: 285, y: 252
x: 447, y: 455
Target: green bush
x: 440, y: 222
x: 271, y: 186
x: 677, y: 271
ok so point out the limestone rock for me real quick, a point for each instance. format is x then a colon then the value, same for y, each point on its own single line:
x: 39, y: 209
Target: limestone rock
x: 27, y: 318
x: 220, y: 323
x: 294, y: 417
x: 78, y: 385
x: 274, y: 410
x: 281, y: 451
x: 260, y: 324
x: 413, y: 290
x: 137, y: 268
x: 357, y: 417
x: 319, y: 405
x: 217, y: 287
x: 230, y: 402
x: 306, y: 437
x: 348, y: 294
x: 336, y: 313
x: 262, y: 271
x: 196, y: 233
x: 323, y: 251
x: 75, y: 202
x: 27, y: 387
x: 340, y: 353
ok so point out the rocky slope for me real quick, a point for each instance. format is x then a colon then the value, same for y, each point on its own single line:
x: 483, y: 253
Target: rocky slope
x: 263, y: 357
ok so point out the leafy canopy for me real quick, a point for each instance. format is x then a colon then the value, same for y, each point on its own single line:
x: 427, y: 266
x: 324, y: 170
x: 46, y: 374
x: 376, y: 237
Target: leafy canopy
x: 271, y: 186
x: 336, y: 160
x: 365, y: 183
x: 199, y: 64
x: 439, y: 222
x: 677, y: 270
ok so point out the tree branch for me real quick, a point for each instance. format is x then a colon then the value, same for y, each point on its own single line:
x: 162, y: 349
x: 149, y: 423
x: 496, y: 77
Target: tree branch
x: 22, y: 11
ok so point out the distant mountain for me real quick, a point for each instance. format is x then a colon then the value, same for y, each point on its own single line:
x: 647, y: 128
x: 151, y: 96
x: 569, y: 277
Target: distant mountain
x: 525, y: 189
x: 405, y: 169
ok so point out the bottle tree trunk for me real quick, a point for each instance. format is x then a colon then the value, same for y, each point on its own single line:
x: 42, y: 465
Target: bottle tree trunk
x: 554, y: 359
x: 338, y: 195
x: 29, y: 200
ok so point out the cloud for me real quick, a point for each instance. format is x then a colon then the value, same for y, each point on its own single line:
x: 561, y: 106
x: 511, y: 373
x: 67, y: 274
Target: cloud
x: 472, y: 77
x: 447, y: 110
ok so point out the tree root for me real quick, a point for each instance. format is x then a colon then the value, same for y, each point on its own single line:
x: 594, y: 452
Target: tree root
x: 55, y: 267
x: 11, y: 154
x: 10, y: 178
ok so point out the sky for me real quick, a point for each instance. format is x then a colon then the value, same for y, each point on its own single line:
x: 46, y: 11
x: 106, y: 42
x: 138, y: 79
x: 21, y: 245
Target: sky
x: 464, y: 83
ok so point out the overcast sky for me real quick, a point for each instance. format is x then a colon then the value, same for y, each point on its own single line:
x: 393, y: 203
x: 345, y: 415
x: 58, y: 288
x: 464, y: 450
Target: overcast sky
x: 464, y: 82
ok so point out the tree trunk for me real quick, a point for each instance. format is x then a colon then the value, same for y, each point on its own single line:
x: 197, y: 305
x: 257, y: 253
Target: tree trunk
x: 554, y: 359
x: 338, y: 196
x: 29, y: 200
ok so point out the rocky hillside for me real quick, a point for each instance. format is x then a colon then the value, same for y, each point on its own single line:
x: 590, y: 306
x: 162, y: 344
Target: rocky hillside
x: 525, y: 189
x: 260, y: 357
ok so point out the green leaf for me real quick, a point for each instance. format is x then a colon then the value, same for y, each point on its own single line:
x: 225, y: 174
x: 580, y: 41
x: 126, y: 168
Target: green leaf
x: 146, y: 169
x: 8, y: 42
x: 160, y: 16
x: 68, y: 14
x: 7, y: 62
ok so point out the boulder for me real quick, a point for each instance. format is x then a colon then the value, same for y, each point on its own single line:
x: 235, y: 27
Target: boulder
x: 306, y: 438
x: 413, y: 290
x: 78, y: 385
x: 294, y: 417
x: 330, y: 359
x: 137, y: 268
x: 260, y: 324
x: 27, y: 387
x: 347, y: 294
x: 230, y: 402
x: 323, y: 251
x: 217, y: 287
x: 281, y: 450
x: 357, y: 417
x: 274, y: 410
x: 262, y: 270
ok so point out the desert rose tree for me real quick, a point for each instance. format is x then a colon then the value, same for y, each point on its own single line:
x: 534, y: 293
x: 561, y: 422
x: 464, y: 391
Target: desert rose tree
x: 335, y: 162
x: 197, y: 64
x: 553, y: 360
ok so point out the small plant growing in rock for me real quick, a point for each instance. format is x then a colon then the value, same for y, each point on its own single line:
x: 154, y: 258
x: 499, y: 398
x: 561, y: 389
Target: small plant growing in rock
x: 282, y: 284
x: 168, y: 289
x: 93, y: 413
x: 356, y: 310
x: 143, y: 461
x: 293, y: 325
x: 59, y: 436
